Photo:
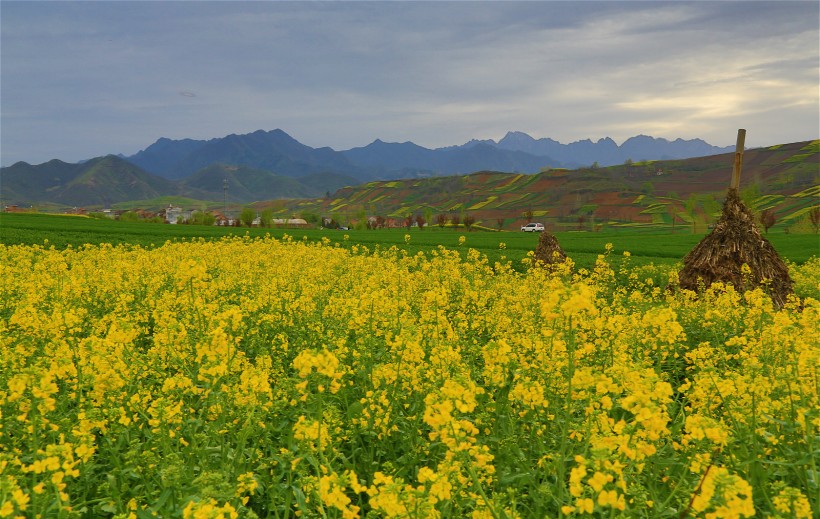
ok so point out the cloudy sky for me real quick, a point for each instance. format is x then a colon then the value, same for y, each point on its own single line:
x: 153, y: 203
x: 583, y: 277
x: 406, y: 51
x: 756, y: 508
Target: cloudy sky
x: 83, y: 79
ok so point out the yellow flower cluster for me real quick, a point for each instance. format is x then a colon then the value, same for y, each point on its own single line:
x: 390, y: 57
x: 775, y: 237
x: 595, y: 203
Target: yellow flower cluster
x: 722, y: 494
x: 322, y: 363
x: 208, y: 509
x: 278, y: 377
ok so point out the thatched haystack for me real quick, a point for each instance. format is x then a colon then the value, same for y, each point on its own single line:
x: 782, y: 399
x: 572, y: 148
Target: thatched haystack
x: 735, y: 241
x: 549, y: 251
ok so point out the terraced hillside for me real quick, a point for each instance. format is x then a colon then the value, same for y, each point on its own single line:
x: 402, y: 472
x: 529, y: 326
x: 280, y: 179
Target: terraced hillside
x: 685, y: 193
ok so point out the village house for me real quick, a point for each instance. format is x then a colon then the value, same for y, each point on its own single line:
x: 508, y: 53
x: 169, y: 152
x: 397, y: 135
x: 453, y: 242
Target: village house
x: 289, y: 222
x: 174, y: 215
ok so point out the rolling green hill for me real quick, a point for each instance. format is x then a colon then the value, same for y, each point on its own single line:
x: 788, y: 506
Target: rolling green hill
x: 108, y: 181
x: 684, y: 193
x: 98, y: 182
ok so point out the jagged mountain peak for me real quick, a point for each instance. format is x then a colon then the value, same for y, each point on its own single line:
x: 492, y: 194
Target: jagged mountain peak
x: 644, y: 138
x: 518, y: 135
x: 274, y: 150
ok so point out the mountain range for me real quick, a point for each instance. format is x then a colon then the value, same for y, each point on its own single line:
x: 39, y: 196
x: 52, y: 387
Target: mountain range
x: 605, y: 151
x: 272, y: 164
x: 517, y: 152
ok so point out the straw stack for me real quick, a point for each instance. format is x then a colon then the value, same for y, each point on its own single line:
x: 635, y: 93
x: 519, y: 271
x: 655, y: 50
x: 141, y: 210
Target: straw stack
x: 736, y: 241
x: 549, y: 250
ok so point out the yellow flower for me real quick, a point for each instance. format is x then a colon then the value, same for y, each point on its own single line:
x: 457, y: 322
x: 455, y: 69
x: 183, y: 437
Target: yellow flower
x: 585, y: 505
x: 246, y: 484
x: 612, y: 498
x: 576, y: 475
x: 598, y: 480
x: 581, y: 299
x: 331, y: 491
x: 791, y: 502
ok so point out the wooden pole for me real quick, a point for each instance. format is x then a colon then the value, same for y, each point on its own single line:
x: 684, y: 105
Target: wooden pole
x: 741, y: 139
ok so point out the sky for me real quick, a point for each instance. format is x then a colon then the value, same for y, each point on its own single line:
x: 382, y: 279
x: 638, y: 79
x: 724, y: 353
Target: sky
x: 85, y: 79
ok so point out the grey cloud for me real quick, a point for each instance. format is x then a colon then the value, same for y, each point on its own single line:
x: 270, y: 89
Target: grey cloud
x: 97, y: 77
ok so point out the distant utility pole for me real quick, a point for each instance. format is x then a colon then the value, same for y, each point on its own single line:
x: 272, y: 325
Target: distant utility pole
x: 225, y: 200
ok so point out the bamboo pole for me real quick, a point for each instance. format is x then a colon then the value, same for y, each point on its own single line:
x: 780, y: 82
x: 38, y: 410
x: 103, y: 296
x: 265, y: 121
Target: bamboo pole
x: 741, y: 139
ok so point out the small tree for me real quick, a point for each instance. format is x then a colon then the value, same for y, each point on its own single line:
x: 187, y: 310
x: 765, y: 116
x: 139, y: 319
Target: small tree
x: 691, y: 208
x: 361, y: 219
x: 528, y: 215
x: 428, y: 215
x: 202, y: 218
x: 468, y: 221
x: 420, y: 221
x: 711, y: 207
x: 814, y: 218
x: 247, y: 216
x: 767, y: 219
x: 441, y: 220
x: 670, y: 210
x: 500, y: 223
x: 313, y: 218
x: 749, y: 195
x: 408, y: 221
x: 130, y: 216
x: 266, y: 217
x: 455, y: 220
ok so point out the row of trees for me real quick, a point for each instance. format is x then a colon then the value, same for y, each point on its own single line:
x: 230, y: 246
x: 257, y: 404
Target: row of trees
x: 420, y: 221
x: 707, y: 204
x: 693, y: 206
x: 248, y: 216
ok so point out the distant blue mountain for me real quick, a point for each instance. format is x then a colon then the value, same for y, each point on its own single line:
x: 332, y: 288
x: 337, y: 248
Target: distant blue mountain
x: 279, y: 153
x: 163, y: 157
x: 273, y: 151
x: 605, y: 151
x: 389, y: 160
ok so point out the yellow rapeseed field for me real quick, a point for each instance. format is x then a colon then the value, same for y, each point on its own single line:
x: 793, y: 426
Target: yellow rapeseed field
x: 280, y: 378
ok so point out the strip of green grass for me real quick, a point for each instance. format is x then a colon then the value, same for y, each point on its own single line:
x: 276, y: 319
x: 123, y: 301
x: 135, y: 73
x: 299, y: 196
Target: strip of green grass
x: 583, y: 247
